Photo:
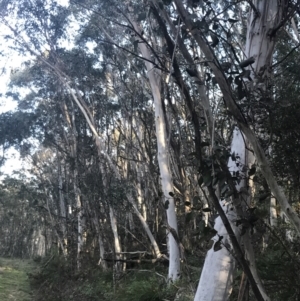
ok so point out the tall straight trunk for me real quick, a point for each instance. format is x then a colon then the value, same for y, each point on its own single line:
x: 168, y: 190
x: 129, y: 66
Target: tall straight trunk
x: 81, y: 234
x: 273, y: 212
x: 218, y: 271
x: 154, y: 76
x: 117, y: 245
x: 62, y: 207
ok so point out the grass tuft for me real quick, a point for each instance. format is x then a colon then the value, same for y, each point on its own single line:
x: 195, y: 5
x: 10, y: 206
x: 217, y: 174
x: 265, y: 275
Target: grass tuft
x: 14, y: 281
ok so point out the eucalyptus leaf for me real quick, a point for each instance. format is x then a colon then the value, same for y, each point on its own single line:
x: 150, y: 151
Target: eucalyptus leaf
x: 188, y: 217
x: 217, y: 246
x: 200, y: 181
x: 166, y: 205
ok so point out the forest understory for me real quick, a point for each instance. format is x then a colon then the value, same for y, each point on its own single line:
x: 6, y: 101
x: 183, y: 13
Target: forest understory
x: 158, y: 145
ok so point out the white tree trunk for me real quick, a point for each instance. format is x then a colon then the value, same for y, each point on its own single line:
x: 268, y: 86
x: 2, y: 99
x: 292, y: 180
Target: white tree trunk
x: 154, y: 76
x: 165, y: 174
x: 114, y: 227
x: 259, y: 43
x: 139, y: 168
x: 273, y: 212
x: 81, y: 235
x: 217, y: 274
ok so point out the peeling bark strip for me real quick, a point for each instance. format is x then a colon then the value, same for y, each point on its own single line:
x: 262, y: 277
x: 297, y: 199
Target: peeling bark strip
x: 236, y: 113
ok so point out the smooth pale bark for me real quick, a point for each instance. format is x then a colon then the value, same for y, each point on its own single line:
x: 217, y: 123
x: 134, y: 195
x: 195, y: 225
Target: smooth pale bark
x: 81, y: 236
x: 141, y: 206
x: 259, y: 40
x: 38, y: 247
x: 138, y: 166
x: 114, y: 227
x: 140, y: 171
x: 154, y: 76
x: 217, y: 274
x: 261, y: 47
x: 139, y: 189
x: 273, y: 212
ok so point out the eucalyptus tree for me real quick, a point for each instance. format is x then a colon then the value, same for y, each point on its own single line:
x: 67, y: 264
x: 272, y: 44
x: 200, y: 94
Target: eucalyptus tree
x: 88, y: 103
x: 23, y: 224
x: 257, y: 38
x: 264, y: 21
x: 210, y: 76
x: 15, y: 130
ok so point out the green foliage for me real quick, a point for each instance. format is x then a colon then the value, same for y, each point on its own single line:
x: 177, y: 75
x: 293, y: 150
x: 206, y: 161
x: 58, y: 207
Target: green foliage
x: 145, y: 287
x: 19, y: 220
x: 14, y: 284
x: 58, y: 281
x: 14, y: 127
x: 279, y: 266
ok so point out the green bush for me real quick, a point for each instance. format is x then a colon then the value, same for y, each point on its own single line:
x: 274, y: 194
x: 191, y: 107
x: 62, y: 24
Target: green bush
x: 58, y: 280
x: 146, y: 288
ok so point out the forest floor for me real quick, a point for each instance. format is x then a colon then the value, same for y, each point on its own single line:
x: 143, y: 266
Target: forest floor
x: 14, y: 280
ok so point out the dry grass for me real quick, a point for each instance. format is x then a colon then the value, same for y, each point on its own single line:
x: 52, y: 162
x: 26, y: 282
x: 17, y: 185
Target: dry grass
x: 14, y: 282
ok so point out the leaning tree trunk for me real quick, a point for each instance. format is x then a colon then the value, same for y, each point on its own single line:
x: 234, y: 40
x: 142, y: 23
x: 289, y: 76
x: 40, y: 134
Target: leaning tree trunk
x: 117, y: 244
